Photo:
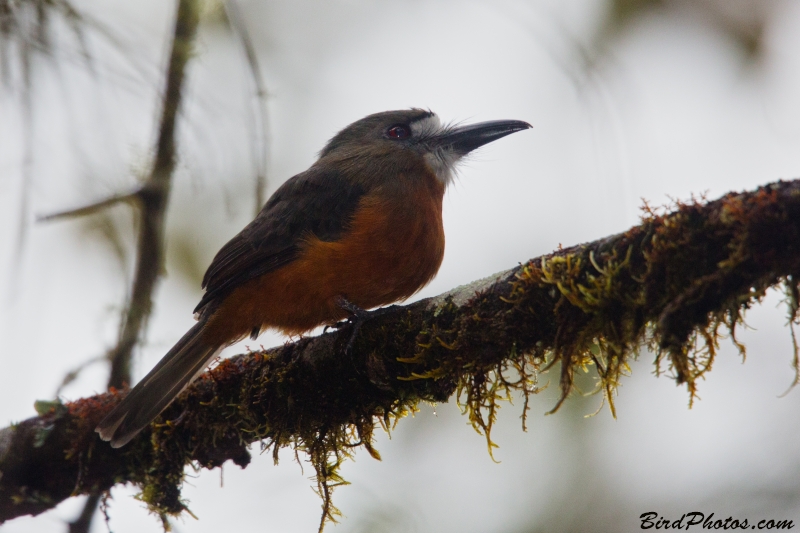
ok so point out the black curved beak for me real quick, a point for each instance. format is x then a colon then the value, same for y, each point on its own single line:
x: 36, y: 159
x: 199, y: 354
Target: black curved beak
x: 464, y: 139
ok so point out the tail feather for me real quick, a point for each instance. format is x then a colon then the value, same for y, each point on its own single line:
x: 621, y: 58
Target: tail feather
x: 185, y: 361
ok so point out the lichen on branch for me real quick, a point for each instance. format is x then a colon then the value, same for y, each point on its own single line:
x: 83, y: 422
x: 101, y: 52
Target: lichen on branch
x: 674, y: 283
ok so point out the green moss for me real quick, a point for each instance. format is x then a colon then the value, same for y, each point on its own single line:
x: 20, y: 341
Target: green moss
x: 677, y: 284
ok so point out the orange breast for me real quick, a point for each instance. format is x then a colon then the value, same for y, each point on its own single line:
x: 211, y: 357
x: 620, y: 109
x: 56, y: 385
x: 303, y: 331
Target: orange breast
x: 394, y: 247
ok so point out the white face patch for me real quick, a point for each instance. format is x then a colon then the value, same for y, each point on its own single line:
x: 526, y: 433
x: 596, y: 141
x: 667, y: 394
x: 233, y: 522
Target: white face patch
x: 442, y: 163
x: 426, y: 127
x: 440, y: 160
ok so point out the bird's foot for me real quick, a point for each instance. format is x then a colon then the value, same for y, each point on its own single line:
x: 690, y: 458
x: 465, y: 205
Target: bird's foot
x: 357, y: 318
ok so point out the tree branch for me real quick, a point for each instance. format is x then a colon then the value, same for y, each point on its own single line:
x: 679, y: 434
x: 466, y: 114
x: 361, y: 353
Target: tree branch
x: 670, y: 283
x: 261, y: 145
x: 91, y: 208
x: 152, y: 199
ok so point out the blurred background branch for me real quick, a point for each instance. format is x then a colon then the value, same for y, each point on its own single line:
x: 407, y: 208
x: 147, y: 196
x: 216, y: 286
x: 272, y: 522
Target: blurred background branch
x: 260, y: 94
x: 629, y: 99
x: 151, y: 201
x: 742, y: 21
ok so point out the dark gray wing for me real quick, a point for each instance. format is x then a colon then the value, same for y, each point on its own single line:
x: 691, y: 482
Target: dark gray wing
x: 314, y: 202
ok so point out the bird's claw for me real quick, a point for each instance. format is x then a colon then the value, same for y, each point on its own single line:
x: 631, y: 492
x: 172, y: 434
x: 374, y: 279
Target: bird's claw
x: 356, y: 319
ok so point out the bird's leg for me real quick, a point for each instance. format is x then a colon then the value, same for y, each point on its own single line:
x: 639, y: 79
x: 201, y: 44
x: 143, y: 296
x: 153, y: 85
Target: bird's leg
x: 357, y: 317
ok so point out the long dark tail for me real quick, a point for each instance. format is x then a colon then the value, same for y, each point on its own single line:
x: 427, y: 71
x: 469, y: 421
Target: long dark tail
x: 185, y: 361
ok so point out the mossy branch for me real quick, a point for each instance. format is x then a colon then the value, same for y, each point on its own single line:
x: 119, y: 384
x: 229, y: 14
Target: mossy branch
x: 670, y: 283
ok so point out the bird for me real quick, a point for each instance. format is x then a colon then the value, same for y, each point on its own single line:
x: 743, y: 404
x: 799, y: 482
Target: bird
x: 360, y: 229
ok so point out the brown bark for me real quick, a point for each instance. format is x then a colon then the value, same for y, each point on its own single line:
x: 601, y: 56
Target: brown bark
x: 669, y: 283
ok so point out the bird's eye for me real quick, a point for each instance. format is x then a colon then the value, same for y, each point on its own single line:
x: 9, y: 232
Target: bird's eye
x: 398, y: 132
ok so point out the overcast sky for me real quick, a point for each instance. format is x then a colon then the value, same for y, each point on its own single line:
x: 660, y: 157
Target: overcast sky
x: 668, y: 107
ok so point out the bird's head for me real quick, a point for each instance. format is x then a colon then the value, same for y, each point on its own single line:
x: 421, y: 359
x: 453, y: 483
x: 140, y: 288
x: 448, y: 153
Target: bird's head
x: 415, y: 132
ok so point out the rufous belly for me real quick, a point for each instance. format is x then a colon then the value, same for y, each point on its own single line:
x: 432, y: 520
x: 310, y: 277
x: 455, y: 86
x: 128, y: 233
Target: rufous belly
x: 391, y: 250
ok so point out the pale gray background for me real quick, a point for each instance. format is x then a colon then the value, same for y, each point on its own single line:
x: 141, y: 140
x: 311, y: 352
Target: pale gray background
x: 668, y: 107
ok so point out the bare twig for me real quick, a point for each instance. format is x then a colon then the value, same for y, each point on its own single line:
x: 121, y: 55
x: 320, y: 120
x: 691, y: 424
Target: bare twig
x: 152, y: 199
x: 154, y: 196
x: 669, y: 283
x: 92, y: 208
x: 73, y: 374
x: 261, y: 139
